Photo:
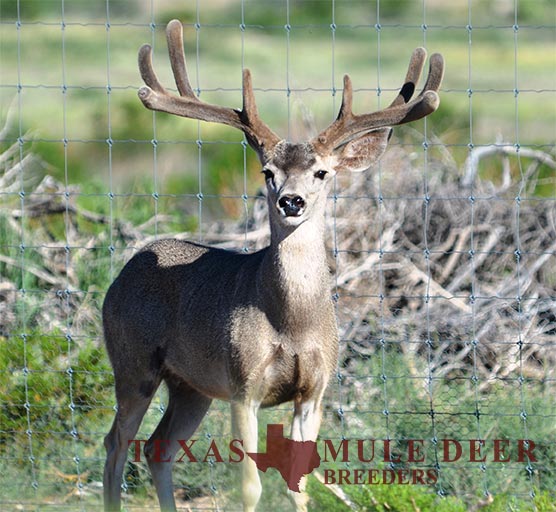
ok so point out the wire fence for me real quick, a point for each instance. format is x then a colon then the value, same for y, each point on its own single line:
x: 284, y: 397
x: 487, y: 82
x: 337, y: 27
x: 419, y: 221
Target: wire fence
x: 443, y: 256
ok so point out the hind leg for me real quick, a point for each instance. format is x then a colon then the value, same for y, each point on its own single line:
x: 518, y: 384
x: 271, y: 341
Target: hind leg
x: 186, y: 409
x: 131, y: 409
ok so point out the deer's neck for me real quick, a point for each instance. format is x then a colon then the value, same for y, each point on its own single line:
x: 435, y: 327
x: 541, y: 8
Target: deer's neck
x: 295, y: 276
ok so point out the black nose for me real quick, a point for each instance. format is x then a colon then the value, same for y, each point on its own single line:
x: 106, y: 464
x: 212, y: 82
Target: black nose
x: 292, y: 205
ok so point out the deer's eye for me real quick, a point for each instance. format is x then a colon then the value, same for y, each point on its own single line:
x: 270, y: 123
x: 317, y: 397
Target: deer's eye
x: 268, y: 174
x: 320, y: 174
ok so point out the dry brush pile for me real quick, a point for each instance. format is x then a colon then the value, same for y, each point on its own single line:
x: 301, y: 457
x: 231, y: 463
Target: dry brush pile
x: 462, y: 278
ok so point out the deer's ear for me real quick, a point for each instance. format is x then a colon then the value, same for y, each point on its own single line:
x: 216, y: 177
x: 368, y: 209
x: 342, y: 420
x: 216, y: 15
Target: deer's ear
x: 362, y: 152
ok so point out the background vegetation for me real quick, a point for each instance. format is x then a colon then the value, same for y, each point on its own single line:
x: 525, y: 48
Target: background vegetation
x: 87, y: 175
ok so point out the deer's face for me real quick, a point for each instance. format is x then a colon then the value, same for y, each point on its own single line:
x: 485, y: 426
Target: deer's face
x: 297, y: 182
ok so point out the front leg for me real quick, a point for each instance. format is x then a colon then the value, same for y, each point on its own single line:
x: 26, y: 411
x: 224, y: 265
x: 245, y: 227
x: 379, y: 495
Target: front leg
x: 305, y: 427
x: 245, y: 427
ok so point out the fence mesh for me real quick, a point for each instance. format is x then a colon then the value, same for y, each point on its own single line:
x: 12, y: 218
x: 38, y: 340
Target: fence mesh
x: 443, y: 256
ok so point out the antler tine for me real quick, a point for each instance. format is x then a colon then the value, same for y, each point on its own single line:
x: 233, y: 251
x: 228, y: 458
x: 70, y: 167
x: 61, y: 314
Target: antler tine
x: 414, y: 70
x: 174, y: 37
x: 345, y: 116
x: 402, y: 110
x: 347, y: 99
x: 436, y: 73
x: 155, y: 97
x: 146, y: 69
x: 253, y: 125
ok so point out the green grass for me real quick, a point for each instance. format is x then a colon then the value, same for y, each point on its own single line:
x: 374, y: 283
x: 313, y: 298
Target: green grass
x: 401, y: 498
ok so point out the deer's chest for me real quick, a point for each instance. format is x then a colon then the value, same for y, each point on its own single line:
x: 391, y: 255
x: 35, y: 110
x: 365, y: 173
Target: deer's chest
x: 273, y: 366
x: 291, y: 375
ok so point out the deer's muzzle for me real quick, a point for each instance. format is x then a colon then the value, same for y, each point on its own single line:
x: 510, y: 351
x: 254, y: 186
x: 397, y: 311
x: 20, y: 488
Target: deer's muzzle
x: 291, y: 206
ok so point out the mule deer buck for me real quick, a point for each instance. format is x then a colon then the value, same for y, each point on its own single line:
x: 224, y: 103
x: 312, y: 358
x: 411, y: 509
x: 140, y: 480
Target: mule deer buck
x: 256, y: 329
